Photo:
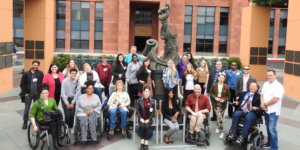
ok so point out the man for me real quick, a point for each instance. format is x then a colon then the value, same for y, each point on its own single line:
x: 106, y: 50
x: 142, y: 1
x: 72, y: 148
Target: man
x: 103, y: 71
x: 213, y: 77
x: 244, y: 81
x: 31, y: 87
x: 70, y: 92
x: 197, y: 105
x: 128, y: 58
x: 271, y: 100
x: 90, y: 75
x: 232, y: 76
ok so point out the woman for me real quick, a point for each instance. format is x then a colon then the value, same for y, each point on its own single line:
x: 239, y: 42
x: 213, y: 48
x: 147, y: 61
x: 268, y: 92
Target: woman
x: 219, y: 95
x: 181, y: 66
x: 170, y: 110
x: 144, y: 77
x: 69, y: 66
x: 203, y: 75
x: 191, y: 59
x: 131, y: 78
x: 36, y: 114
x: 54, y: 80
x: 188, y: 82
x: 170, y: 77
x: 118, y: 101
x: 119, y: 69
x: 88, y: 109
x: 145, y: 112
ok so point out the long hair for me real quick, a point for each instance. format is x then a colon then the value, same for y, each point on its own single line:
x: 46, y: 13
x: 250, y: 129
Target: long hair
x: 192, y: 72
x: 119, y: 82
x: 192, y: 59
x: 173, y: 70
x: 117, y: 59
x: 68, y: 67
x: 205, y: 67
x: 53, y: 64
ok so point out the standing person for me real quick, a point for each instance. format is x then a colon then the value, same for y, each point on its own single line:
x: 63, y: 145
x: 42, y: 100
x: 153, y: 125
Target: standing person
x: 203, y: 75
x: 15, y: 50
x: 213, y: 77
x: 188, y: 81
x: 170, y: 110
x: 170, y: 77
x: 244, y: 81
x: 90, y: 75
x: 197, y: 105
x: 145, y: 107
x: 118, y: 69
x: 54, y: 79
x: 128, y: 58
x: 118, y: 101
x: 70, y: 92
x: 219, y: 95
x: 103, y: 71
x: 271, y: 101
x: 69, y: 66
x: 131, y: 78
x: 191, y: 59
x: 144, y: 77
x: 31, y: 87
x: 232, y: 76
x: 181, y: 66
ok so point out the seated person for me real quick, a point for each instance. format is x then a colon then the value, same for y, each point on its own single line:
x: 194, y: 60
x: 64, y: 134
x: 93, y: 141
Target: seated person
x: 118, y: 101
x: 36, y: 114
x: 246, y: 101
x: 197, y: 105
x: 170, y: 110
x: 88, y: 108
x: 90, y: 75
x: 145, y: 107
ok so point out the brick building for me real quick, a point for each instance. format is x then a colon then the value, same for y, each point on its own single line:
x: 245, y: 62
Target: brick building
x: 204, y: 27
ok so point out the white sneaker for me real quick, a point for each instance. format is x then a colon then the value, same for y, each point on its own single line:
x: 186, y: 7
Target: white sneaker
x: 72, y: 131
x: 217, y: 130
x: 221, y: 135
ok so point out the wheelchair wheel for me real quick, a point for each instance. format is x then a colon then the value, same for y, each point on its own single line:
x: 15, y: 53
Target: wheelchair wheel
x: 225, y: 140
x: 250, y: 146
x: 257, y: 141
x: 207, y: 131
x: 64, y: 136
x: 33, y: 137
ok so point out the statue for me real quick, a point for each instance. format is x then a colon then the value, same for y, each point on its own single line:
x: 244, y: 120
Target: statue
x: 170, y: 48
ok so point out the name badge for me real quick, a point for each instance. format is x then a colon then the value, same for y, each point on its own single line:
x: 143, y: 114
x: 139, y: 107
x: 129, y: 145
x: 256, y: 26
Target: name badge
x: 237, y: 73
x: 151, y: 109
x: 124, y: 68
x: 34, y: 80
x: 105, y: 69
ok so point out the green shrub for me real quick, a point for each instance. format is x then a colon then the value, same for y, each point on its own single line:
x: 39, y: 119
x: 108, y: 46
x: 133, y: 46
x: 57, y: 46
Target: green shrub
x: 62, y: 60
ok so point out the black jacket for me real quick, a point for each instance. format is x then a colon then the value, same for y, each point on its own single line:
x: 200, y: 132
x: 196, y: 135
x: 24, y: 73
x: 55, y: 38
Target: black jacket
x: 116, y: 70
x: 27, y: 79
x: 142, y: 74
x: 211, y: 79
x: 255, y: 102
x: 167, y: 112
x: 139, y: 106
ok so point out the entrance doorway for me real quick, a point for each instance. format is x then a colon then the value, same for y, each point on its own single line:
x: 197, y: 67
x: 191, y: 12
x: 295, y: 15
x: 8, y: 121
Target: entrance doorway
x: 140, y: 42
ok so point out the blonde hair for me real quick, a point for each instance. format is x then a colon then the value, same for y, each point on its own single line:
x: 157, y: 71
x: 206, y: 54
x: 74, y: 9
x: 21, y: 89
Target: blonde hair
x: 85, y: 65
x: 119, y: 82
x: 68, y: 67
x: 172, y: 72
x: 206, y: 67
x: 193, y: 71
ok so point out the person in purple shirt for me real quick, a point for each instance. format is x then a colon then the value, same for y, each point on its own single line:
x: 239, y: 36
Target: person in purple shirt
x: 181, y: 66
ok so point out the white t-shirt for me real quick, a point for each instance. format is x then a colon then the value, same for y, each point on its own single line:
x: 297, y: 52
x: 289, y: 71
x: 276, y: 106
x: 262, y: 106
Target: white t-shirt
x: 189, y: 82
x: 245, y: 80
x: 271, y: 90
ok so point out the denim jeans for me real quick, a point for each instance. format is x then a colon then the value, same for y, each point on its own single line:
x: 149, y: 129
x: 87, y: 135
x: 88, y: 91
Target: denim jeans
x: 112, y: 117
x: 271, y: 123
x: 250, y: 117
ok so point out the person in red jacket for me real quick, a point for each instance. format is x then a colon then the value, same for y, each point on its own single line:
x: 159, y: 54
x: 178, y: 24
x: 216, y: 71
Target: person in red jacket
x: 103, y: 71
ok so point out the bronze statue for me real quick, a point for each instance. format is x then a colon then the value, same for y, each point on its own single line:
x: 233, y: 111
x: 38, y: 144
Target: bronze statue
x: 170, y: 48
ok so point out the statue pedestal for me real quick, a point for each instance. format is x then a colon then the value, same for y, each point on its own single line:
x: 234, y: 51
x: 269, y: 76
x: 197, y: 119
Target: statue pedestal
x: 159, y: 90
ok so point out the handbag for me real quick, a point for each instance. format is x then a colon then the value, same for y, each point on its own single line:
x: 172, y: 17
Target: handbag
x: 51, y: 116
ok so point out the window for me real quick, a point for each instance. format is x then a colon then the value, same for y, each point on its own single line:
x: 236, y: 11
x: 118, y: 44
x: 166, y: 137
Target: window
x: 18, y: 23
x: 205, y: 30
x: 282, y: 33
x: 271, y: 31
x: 187, y: 28
x: 143, y: 17
x: 98, y: 27
x: 223, y: 33
x: 60, y: 25
x: 80, y: 26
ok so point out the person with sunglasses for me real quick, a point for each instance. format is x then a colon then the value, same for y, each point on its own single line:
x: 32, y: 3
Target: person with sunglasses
x: 232, y: 76
x: 244, y: 81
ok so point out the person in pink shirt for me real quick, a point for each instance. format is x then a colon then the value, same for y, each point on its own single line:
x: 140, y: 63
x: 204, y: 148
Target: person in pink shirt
x: 54, y: 79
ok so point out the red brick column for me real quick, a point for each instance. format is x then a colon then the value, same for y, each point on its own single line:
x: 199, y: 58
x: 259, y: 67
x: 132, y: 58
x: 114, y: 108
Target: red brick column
x: 68, y: 27
x: 110, y: 27
x: 194, y: 30
x: 276, y: 32
x: 92, y: 27
x: 216, y: 32
x: 123, y: 28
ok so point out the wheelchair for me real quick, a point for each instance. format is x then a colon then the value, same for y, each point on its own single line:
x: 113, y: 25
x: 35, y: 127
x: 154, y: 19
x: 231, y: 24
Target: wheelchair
x: 255, y: 137
x: 118, y: 128
x: 77, y: 132
x: 42, y: 134
x: 206, y: 130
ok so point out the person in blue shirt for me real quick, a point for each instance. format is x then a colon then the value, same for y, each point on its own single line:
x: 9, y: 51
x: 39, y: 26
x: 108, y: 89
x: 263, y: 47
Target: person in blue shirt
x: 232, y: 76
x: 128, y: 58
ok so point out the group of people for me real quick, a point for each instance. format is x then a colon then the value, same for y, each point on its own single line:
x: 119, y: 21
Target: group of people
x: 81, y: 95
